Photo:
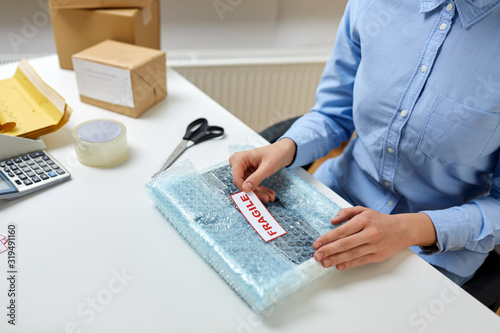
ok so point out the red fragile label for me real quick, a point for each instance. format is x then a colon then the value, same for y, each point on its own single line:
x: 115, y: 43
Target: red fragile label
x: 3, y: 242
x: 258, y: 216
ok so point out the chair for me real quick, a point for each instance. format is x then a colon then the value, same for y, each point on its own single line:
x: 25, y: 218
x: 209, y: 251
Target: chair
x: 275, y: 131
x: 484, y: 286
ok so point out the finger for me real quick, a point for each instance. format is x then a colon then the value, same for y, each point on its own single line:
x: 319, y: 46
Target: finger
x: 367, y: 259
x: 238, y: 170
x: 265, y: 194
x: 254, y: 180
x: 351, y: 228
x: 340, y: 246
x: 347, y: 214
x: 346, y: 255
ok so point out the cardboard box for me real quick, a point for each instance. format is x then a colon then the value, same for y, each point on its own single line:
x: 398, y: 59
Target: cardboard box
x: 77, y: 29
x: 121, y: 77
x: 59, y: 4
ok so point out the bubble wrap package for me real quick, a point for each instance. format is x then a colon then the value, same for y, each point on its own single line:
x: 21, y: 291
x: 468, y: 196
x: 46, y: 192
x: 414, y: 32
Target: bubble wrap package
x: 199, y: 206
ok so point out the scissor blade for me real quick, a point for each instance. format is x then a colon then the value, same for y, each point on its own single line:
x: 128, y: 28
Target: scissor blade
x: 177, y: 151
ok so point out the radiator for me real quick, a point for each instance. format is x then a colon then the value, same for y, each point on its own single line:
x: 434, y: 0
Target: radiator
x: 259, y: 86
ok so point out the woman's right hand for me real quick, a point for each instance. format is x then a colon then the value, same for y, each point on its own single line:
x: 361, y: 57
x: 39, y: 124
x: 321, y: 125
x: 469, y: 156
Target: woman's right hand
x: 251, y: 167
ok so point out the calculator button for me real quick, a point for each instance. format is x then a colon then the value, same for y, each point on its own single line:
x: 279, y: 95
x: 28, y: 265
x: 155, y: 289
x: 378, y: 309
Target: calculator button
x: 36, y: 179
x: 30, y: 174
x: 60, y: 171
x: 44, y: 176
x: 26, y: 169
x: 30, y: 162
x: 25, y: 157
x: 22, y: 177
x: 2, y: 164
x: 18, y: 172
x: 46, y: 169
x: 38, y: 160
x: 13, y: 167
x: 17, y: 160
x: 42, y: 164
x: 52, y: 174
x: 35, y: 166
x: 55, y: 166
x: 45, y: 157
x: 27, y: 182
x: 9, y: 162
x: 49, y: 161
x: 37, y: 154
x: 39, y: 171
x: 11, y: 174
x: 21, y: 165
x: 18, y: 182
x: 6, y: 169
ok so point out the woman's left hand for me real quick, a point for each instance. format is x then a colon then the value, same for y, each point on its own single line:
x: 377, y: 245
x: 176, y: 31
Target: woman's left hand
x: 370, y: 236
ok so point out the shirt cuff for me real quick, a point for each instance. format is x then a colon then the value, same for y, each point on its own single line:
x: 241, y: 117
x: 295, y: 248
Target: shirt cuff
x: 452, y: 229
x: 431, y: 249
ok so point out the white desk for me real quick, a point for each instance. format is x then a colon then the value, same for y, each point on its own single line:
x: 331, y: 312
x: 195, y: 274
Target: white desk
x: 75, y: 238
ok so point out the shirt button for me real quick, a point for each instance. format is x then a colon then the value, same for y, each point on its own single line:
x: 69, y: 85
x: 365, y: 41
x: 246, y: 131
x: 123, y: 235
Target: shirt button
x: 403, y: 113
x: 442, y: 26
x: 449, y: 7
x: 423, y: 69
x: 386, y: 183
x: 390, y: 203
x: 390, y: 150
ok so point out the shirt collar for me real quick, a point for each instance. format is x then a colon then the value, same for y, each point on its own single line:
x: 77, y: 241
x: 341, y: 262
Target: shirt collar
x: 470, y: 11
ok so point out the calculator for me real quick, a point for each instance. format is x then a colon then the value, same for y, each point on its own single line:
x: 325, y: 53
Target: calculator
x: 23, y: 174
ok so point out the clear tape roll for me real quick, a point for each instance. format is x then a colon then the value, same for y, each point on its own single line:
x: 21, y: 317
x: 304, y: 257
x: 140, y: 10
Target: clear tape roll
x: 101, y: 143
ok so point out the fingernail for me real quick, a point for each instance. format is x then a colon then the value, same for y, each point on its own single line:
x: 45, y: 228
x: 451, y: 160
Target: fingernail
x: 327, y: 263
x: 317, y: 245
x: 340, y: 267
x: 249, y: 185
x: 319, y: 256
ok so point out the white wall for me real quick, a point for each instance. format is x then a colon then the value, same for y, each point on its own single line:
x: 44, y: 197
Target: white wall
x: 190, y: 24
x: 25, y: 27
x: 308, y: 22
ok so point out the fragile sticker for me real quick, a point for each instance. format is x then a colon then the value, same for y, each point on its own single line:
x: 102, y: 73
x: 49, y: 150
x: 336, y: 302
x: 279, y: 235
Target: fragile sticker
x: 3, y: 243
x: 258, y: 216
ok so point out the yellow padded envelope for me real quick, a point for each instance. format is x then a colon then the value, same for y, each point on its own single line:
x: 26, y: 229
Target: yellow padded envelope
x: 30, y: 108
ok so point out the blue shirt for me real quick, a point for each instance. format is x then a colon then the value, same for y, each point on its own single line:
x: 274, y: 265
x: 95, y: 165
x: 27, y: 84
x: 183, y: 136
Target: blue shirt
x: 420, y: 84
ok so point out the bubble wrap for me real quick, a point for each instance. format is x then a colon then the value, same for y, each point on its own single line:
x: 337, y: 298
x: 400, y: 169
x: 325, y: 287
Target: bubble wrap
x: 199, y: 206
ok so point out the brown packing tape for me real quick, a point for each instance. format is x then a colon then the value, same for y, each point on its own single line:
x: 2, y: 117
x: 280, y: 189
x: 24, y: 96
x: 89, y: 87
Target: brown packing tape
x: 147, y: 92
x: 153, y: 77
x: 144, y: 21
x: 73, y: 4
x: 147, y: 15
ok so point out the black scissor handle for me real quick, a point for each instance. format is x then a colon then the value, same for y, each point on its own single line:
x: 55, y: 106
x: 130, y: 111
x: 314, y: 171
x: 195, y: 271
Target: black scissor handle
x: 208, y: 133
x: 199, y: 131
x: 195, y: 128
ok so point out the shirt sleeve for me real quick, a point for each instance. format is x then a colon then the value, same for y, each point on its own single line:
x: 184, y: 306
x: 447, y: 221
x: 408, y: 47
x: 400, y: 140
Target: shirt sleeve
x: 330, y: 121
x: 474, y: 226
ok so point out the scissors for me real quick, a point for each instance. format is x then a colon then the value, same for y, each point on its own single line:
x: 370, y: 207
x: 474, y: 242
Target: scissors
x: 196, y: 132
